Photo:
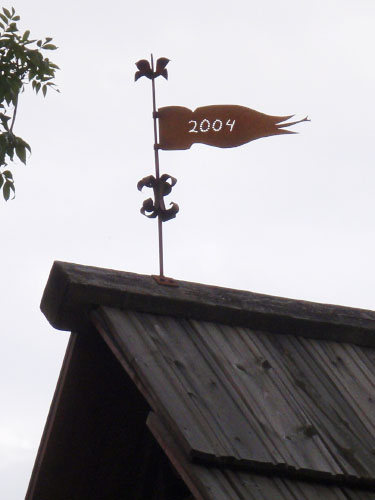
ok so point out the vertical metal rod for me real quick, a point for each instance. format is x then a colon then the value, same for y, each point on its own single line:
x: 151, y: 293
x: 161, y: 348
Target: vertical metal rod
x: 160, y: 232
x: 157, y: 171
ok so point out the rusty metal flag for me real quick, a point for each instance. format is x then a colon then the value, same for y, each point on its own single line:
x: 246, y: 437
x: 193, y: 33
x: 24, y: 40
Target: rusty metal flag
x: 222, y: 125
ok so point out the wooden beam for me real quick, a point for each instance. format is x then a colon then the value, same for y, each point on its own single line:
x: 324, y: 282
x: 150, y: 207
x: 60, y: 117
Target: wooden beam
x: 73, y: 290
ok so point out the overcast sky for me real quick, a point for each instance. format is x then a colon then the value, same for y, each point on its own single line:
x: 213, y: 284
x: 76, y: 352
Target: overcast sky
x: 290, y: 215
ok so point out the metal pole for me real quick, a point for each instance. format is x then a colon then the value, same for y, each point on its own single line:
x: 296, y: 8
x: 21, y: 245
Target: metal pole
x: 157, y: 172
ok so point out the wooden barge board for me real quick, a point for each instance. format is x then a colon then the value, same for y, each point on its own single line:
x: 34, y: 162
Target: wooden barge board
x: 73, y: 290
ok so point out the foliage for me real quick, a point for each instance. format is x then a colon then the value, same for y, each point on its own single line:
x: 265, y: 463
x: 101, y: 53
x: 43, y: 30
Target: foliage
x: 21, y: 63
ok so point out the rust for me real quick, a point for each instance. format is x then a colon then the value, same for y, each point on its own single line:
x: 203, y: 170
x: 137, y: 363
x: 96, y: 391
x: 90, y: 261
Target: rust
x: 163, y: 280
x: 221, y: 125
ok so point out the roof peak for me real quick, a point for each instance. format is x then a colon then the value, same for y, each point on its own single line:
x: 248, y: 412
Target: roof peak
x: 73, y: 290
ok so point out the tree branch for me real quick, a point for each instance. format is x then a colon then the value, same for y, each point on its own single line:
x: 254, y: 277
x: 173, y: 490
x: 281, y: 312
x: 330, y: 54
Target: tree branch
x: 14, y: 115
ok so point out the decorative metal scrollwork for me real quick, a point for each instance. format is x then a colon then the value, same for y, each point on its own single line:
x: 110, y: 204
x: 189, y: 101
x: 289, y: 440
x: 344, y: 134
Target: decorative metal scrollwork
x: 162, y: 187
x: 147, y: 70
x: 161, y: 184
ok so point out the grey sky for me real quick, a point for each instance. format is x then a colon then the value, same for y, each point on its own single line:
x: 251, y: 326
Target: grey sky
x: 289, y: 215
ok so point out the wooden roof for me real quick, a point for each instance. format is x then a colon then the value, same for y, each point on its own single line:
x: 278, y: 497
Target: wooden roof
x: 249, y: 396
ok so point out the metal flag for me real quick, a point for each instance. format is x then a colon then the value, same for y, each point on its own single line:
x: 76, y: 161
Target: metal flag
x: 222, y: 125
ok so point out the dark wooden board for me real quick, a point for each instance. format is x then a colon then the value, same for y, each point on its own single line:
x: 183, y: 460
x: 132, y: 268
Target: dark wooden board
x: 243, y: 399
x: 73, y: 290
x: 96, y: 444
x: 95, y: 430
x: 212, y: 483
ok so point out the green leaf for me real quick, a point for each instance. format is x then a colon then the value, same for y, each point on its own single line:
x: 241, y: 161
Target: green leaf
x: 7, y: 13
x: 14, y: 84
x: 44, y: 90
x: 4, y: 18
x: 10, y: 152
x: 12, y: 28
x: 8, y: 174
x: 13, y: 11
x: 20, y: 142
x: 16, y: 18
x: 6, y: 191
x: 4, y: 121
x: 8, y: 187
x: 39, y: 43
x: 48, y: 39
x: 32, y: 74
x: 49, y: 46
x: 21, y: 153
x: 35, y: 57
x: 26, y: 35
x: 1, y: 181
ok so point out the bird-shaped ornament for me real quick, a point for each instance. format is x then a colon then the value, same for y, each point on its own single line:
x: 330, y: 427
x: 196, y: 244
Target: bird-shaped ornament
x: 144, y: 69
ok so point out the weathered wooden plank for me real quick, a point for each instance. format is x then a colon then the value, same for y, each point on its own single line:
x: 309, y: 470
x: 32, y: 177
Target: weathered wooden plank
x: 154, y: 378
x: 37, y: 473
x: 212, y: 483
x: 326, y: 405
x: 250, y: 375
x: 345, y: 365
x: 212, y: 396
x: 73, y: 290
x: 301, y: 373
x: 243, y: 398
x: 322, y: 438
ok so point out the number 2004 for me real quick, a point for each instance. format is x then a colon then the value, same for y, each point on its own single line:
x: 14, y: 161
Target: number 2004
x: 205, y: 125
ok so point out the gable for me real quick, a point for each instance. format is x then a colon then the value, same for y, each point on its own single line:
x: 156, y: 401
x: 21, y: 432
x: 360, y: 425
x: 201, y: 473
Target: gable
x: 244, y: 395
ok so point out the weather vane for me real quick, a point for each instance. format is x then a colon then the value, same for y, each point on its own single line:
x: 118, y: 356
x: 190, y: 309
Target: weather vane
x: 221, y: 125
